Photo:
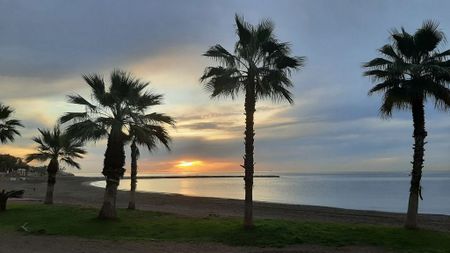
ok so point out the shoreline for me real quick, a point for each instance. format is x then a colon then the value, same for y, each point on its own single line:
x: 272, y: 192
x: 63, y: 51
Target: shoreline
x: 78, y: 191
x: 178, y: 177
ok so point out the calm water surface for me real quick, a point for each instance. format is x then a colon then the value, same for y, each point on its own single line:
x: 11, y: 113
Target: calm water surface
x: 365, y: 191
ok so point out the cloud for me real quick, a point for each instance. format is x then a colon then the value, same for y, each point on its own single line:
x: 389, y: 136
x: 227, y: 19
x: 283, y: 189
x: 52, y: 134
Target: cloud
x: 45, y: 47
x: 203, y: 126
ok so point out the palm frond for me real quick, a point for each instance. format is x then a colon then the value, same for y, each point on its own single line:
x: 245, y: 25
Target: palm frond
x: 287, y: 62
x: 384, y: 86
x: 439, y: 93
x: 41, y: 157
x: 377, y: 63
x: 87, y: 130
x: 149, y: 135
x: 378, y: 74
x: 395, y: 98
x: 7, y: 134
x: 69, y: 161
x: 8, y: 126
x: 221, y: 55
x: 264, y: 31
x: 146, y: 99
x: 122, y: 85
x: 440, y: 56
x: 243, y: 30
x: 73, y: 116
x: 389, y: 51
x: 5, y: 112
x: 158, y: 118
x: 222, y: 81
x: 273, y: 85
x: 97, y: 85
x: 404, y: 42
x: 428, y: 37
x: 79, y: 100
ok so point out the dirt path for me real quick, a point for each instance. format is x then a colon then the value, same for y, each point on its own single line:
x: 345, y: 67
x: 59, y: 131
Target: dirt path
x: 19, y: 243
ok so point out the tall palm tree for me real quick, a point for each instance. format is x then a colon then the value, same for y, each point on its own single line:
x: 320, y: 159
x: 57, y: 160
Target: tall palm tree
x: 146, y: 130
x: 56, y: 146
x: 8, y: 126
x: 410, y: 71
x: 109, y: 115
x: 260, y: 67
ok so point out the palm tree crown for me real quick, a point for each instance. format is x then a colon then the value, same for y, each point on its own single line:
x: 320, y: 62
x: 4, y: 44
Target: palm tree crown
x: 113, y: 113
x: 8, y: 126
x: 57, y: 145
x: 411, y: 68
x: 259, y: 59
x: 148, y: 129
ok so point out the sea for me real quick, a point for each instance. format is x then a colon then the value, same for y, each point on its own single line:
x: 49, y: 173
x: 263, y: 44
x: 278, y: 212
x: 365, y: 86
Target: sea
x: 361, y: 191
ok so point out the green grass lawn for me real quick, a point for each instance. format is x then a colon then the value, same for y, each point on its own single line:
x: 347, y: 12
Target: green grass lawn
x: 145, y: 225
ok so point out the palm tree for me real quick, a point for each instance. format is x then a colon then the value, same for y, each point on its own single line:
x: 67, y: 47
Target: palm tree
x: 8, y: 126
x: 146, y: 130
x: 4, y: 196
x: 260, y: 68
x: 410, y: 71
x: 56, y: 146
x: 109, y: 115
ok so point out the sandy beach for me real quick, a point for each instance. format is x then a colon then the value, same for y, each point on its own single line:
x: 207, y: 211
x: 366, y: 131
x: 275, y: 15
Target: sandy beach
x: 76, y: 190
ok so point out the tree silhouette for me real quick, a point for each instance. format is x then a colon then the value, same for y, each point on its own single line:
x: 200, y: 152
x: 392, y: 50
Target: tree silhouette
x: 412, y: 70
x: 109, y: 115
x: 56, y: 146
x: 260, y: 68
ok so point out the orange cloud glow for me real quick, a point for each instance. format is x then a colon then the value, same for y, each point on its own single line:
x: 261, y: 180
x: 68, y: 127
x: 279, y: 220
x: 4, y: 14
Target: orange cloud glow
x: 15, y: 150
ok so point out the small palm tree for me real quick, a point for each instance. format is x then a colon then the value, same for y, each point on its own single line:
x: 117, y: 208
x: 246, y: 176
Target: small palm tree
x: 109, y: 115
x: 412, y: 70
x: 56, y: 146
x: 146, y: 130
x: 260, y: 68
x: 8, y: 126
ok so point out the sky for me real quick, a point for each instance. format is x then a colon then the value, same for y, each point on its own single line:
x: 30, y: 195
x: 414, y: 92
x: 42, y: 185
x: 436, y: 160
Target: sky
x: 333, y: 126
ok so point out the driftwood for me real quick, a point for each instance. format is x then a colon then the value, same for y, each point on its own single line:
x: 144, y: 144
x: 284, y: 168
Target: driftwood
x: 4, y: 196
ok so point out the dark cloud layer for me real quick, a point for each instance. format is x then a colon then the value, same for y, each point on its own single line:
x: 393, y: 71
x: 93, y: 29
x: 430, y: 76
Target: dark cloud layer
x: 333, y: 125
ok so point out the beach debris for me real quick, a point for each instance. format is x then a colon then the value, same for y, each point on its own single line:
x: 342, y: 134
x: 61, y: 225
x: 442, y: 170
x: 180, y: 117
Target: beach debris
x: 24, y: 227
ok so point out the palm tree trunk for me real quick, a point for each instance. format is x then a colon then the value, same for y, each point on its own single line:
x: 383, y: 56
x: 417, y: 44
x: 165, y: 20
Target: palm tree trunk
x: 416, y: 174
x: 108, y: 210
x: 52, y: 169
x: 3, y: 200
x: 113, y: 170
x: 132, y: 202
x: 250, y: 103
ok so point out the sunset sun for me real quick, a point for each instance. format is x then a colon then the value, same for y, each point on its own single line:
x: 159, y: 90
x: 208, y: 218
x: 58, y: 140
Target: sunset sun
x: 186, y: 164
